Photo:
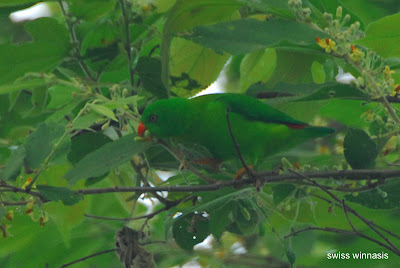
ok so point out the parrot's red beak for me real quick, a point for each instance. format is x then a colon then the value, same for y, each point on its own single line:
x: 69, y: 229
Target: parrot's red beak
x: 141, y: 129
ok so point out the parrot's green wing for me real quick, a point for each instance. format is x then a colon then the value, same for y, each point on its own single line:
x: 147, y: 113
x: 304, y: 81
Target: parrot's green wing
x: 255, y: 110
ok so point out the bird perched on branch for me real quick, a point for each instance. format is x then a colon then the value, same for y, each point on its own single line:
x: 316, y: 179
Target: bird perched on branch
x: 258, y: 129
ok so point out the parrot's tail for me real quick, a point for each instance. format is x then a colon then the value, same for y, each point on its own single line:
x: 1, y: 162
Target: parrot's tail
x: 315, y: 132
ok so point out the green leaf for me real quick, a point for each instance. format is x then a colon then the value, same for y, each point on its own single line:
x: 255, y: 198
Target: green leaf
x: 118, y: 103
x: 85, y: 143
x: 219, y: 219
x: 106, y: 158
x: 200, y: 63
x: 294, y: 72
x: 13, y: 165
x: 90, y: 9
x: 87, y: 120
x: 247, y: 35
x: 347, y: 111
x: 359, y: 149
x: 40, y: 143
x: 100, y: 35
x: 185, y: 14
x: 281, y: 191
x: 335, y: 90
x: 103, y: 110
x: 385, y: 197
x: 29, y: 84
x: 149, y: 70
x: 277, y: 7
x: 49, y: 47
x: 257, y: 66
x: 318, y: 72
x: 39, y: 100
x: 189, y: 230
x: 60, y: 95
x: 10, y: 3
x: 53, y: 193
x: 383, y: 36
x: 367, y: 11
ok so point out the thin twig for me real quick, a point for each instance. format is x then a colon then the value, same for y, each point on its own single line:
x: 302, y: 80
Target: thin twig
x: 181, y: 157
x: 237, y: 148
x: 127, y: 43
x: 10, y: 204
x: 88, y: 257
x: 75, y: 43
x: 326, y: 229
x: 53, y: 150
x: 146, y: 182
x: 347, y: 216
x: 369, y: 223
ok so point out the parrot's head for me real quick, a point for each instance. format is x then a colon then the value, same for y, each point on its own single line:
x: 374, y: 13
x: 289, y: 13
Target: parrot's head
x: 165, y: 118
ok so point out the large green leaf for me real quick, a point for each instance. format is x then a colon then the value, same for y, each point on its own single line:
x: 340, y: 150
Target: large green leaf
x: 359, y: 149
x: 386, y: 197
x: 247, y: 35
x: 383, y: 36
x: 85, y: 143
x: 40, y: 143
x: 19, y: 85
x: 294, y: 72
x: 257, y: 66
x: 276, y: 7
x: 11, y: 3
x: 63, y: 194
x: 200, y: 63
x: 189, y: 230
x: 335, y: 90
x: 185, y: 14
x: 367, y: 11
x: 90, y: 9
x: 149, y: 70
x: 50, y: 45
x: 281, y: 191
x: 13, y: 165
x: 106, y: 158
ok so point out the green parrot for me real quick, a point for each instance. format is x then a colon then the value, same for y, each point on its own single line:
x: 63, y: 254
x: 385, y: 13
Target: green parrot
x: 259, y: 129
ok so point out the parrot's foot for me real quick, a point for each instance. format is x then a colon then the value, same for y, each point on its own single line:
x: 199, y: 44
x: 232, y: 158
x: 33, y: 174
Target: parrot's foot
x: 211, y: 162
x: 240, y: 173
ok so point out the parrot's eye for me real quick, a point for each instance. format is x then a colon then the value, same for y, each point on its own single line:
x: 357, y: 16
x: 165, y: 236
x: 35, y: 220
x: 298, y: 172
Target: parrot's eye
x: 153, y: 118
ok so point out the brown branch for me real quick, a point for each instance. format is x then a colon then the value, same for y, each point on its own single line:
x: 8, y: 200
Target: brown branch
x: 75, y: 43
x: 9, y: 204
x: 346, y: 208
x: 347, y: 174
x: 326, y: 229
x: 88, y: 257
x: 127, y: 43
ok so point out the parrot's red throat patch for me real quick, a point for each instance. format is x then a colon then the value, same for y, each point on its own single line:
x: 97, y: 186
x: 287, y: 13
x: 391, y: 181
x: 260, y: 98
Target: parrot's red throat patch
x: 296, y: 126
x: 141, y: 129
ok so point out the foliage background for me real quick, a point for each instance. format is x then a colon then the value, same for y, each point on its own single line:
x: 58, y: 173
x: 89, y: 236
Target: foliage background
x: 72, y: 88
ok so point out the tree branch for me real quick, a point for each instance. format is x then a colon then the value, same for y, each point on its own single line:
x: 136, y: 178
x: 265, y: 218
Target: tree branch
x: 127, y: 43
x: 346, y: 208
x: 75, y: 43
x: 88, y: 257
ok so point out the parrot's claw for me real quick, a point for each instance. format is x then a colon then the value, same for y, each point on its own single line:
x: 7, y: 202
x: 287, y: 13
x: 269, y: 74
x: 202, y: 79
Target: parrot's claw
x: 240, y: 173
x: 211, y: 162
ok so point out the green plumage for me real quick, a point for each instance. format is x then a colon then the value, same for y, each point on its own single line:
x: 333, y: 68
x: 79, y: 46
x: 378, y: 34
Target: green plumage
x: 259, y: 129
